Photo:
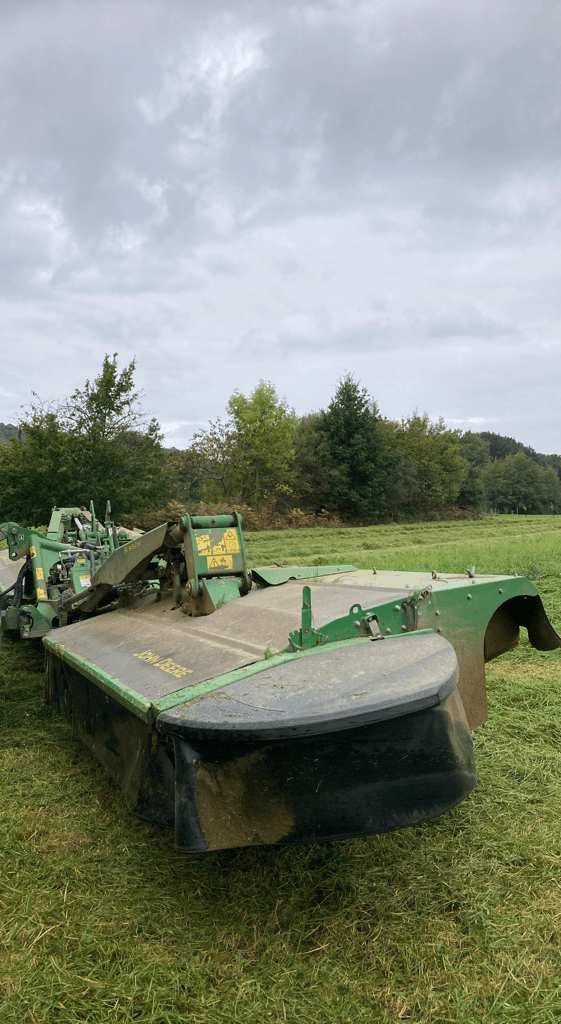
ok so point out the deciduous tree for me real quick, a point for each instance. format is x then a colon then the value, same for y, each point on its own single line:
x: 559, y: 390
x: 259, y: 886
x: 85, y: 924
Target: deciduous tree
x: 519, y: 484
x: 427, y: 468
x: 312, y: 463
x: 98, y: 444
x: 249, y: 457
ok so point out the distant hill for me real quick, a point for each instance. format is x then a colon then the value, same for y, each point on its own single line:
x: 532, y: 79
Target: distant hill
x: 500, y: 447
x: 7, y: 430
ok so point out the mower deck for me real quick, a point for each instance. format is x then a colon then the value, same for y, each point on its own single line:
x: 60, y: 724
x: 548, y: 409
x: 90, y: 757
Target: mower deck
x: 231, y: 748
x: 285, y: 705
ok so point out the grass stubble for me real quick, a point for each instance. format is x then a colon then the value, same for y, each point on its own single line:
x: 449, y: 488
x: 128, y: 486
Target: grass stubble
x: 455, y: 920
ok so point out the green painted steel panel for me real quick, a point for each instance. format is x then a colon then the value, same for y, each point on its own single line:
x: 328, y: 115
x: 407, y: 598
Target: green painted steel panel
x: 125, y: 695
x: 272, y: 576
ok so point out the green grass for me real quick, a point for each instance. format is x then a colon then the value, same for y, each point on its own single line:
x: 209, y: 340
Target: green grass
x: 496, y: 544
x: 456, y: 920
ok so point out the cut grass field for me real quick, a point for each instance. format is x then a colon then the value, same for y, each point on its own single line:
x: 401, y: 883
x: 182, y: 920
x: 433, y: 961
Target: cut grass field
x: 457, y: 920
x: 497, y: 544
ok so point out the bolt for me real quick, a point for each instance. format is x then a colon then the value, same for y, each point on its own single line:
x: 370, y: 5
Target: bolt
x: 437, y: 613
x: 500, y: 590
x: 356, y: 623
x: 404, y: 629
x: 469, y: 597
x: 397, y: 608
x: 439, y: 630
x: 388, y: 630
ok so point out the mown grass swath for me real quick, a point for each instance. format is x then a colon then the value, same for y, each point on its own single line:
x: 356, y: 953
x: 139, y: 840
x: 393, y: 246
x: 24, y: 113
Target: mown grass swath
x: 456, y: 920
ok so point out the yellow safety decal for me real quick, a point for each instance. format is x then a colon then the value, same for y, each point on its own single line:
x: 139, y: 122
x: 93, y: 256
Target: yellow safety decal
x: 232, y: 542
x: 32, y: 551
x: 203, y: 544
x: 166, y: 664
x: 85, y: 581
x: 218, y: 543
x: 41, y: 594
x: 220, y: 562
x: 39, y: 574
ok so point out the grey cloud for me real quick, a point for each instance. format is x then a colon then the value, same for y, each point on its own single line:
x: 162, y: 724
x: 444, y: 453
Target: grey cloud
x: 235, y: 191
x: 476, y: 327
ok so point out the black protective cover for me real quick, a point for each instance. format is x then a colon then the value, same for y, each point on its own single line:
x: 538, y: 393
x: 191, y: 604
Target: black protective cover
x: 344, y: 742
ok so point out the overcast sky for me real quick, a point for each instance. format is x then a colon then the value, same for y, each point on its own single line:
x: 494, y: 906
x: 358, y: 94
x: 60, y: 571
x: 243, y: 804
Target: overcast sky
x: 285, y: 191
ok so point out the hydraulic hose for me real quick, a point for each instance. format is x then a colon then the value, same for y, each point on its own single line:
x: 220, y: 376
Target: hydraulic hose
x: 18, y: 585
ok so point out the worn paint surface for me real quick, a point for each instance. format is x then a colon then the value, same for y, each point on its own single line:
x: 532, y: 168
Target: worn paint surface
x: 156, y: 652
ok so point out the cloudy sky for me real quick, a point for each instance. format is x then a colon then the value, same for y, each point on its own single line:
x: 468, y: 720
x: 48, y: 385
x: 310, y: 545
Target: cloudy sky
x: 285, y: 191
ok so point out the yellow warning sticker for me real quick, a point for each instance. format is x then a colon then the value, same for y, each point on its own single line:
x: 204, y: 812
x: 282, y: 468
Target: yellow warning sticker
x: 232, y: 542
x: 32, y: 551
x: 39, y: 574
x: 41, y: 594
x: 165, y: 664
x: 218, y: 542
x: 203, y: 544
x: 85, y: 581
x: 220, y: 562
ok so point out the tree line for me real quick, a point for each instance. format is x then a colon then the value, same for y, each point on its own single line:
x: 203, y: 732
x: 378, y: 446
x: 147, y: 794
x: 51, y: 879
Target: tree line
x: 345, y: 459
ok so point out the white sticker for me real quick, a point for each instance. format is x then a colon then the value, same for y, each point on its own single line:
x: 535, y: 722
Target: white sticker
x: 85, y: 581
